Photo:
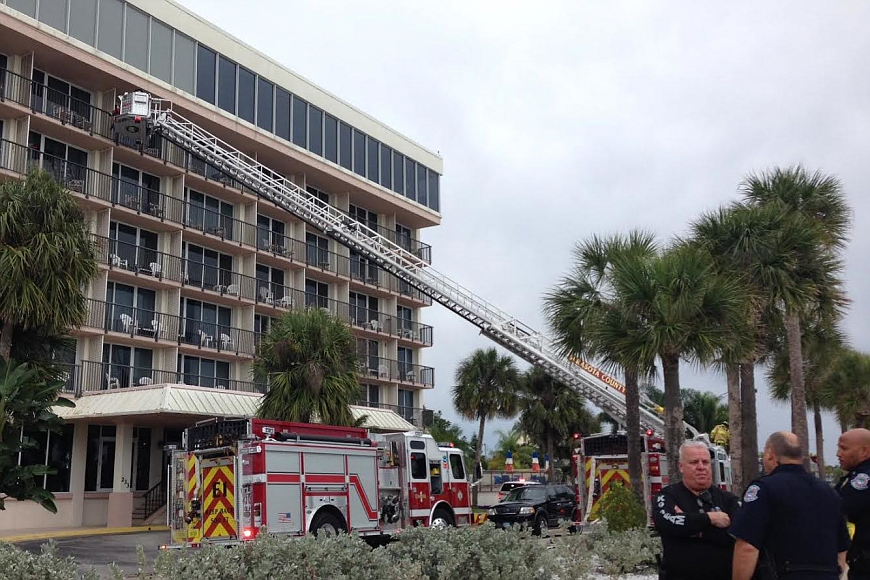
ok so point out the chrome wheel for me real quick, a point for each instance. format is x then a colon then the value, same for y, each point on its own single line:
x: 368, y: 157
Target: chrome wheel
x: 439, y: 523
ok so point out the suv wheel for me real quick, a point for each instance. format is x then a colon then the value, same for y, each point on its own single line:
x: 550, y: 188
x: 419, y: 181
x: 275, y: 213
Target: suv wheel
x: 541, y: 527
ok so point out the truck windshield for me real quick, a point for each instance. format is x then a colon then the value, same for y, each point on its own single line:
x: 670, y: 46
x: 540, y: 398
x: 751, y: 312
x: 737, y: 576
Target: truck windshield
x: 528, y: 493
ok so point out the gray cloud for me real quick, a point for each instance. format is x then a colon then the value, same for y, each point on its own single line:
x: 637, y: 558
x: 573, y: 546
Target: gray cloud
x: 573, y: 118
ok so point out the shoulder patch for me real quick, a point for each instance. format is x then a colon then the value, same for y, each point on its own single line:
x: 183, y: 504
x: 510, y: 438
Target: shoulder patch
x: 860, y: 481
x: 751, y: 493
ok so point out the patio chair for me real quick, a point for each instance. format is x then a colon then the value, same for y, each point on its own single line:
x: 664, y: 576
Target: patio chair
x: 382, y: 371
x: 410, y: 377
x: 233, y: 289
x: 145, y: 381
x: 127, y: 323
x: 287, y: 301
x: 227, y: 342
x: 117, y: 261
x: 112, y: 382
x: 156, y: 269
x: 375, y: 325
x: 205, y: 339
x: 266, y: 295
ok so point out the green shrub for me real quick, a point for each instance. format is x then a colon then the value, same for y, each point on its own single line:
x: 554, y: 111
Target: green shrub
x: 47, y: 565
x: 622, y: 510
x: 627, y: 552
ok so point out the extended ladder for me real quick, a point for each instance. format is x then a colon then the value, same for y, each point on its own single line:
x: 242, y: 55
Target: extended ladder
x: 140, y: 114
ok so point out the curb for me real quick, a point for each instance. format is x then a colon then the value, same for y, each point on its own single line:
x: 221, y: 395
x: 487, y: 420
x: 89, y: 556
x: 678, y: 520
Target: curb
x: 77, y: 533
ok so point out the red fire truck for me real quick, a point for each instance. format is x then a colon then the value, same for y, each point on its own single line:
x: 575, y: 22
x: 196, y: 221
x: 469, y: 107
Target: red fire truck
x: 236, y: 478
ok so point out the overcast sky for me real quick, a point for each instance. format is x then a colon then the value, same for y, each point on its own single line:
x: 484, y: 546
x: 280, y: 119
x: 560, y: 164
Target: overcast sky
x: 573, y: 118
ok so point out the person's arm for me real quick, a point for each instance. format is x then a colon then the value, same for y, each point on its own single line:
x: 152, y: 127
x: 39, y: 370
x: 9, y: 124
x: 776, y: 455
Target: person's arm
x: 745, y: 560
x: 670, y: 520
x: 841, y: 561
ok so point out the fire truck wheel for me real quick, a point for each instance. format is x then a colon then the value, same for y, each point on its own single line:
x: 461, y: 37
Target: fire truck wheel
x: 327, y: 524
x: 441, y: 519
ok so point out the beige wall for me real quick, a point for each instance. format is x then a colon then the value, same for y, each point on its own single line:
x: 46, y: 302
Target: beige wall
x: 27, y: 515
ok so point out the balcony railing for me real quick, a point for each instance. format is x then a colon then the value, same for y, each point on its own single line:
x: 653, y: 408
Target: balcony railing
x: 413, y: 415
x: 47, y: 101
x: 317, y: 257
x: 71, y: 374
x: 137, y: 259
x: 375, y: 367
x: 150, y: 324
x: 280, y: 245
x: 218, y: 280
x: 217, y: 224
x: 408, y: 243
x: 100, y: 376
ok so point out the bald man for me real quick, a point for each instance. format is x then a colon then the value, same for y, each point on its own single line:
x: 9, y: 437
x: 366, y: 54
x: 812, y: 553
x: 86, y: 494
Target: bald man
x: 791, y: 517
x: 853, y: 451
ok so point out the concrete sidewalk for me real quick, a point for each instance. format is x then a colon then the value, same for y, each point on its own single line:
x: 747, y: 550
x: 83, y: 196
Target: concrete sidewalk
x: 26, y: 535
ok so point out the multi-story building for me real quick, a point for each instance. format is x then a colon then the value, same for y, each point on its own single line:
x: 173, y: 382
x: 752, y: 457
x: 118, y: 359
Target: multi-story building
x: 194, y: 267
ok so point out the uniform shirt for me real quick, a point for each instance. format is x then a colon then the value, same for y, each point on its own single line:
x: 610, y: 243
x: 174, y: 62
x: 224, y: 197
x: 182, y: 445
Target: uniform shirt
x: 797, y: 518
x: 693, y: 547
x: 853, y: 489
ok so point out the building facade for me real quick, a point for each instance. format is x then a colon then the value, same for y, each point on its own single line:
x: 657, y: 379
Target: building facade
x: 193, y: 266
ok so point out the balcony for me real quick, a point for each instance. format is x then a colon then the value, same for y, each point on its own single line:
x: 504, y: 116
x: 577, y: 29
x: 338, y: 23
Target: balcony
x: 383, y: 369
x: 327, y: 261
x: 407, y: 243
x: 413, y: 415
x: 99, y: 376
x: 222, y: 226
x: 138, y: 260
x: 157, y: 326
x: 46, y: 101
x: 280, y: 245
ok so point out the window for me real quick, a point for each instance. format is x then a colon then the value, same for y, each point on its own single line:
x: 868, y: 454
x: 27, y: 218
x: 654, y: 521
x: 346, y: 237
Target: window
x: 363, y: 216
x: 53, y: 14
x: 406, y: 404
x: 129, y: 309
x: 418, y: 466
x: 321, y: 195
x: 315, y: 130
x: 367, y: 351
x: 270, y: 235
x: 185, y: 55
x: 247, y: 84
x: 124, y: 366
x: 63, y: 162
x: 404, y: 237
x: 410, y: 180
x: 316, y: 294
x: 282, y: 113
x: 205, y: 73
x: 100, y: 458
x: 386, y: 167
x: 300, y: 121
x: 83, y: 20
x: 345, y: 144
x: 206, y: 372
x: 364, y: 310
x: 456, y: 467
x: 359, y: 153
x: 372, y: 167
x: 371, y: 395
x: 434, y: 201
x: 26, y: 6
x: 204, y: 323
x: 53, y: 450
x: 136, y: 39
x: 264, y: 104
x: 398, y: 172
x: 227, y: 85
x: 209, y: 214
x: 364, y: 269
x: 317, y: 250
x: 270, y: 285
x: 141, y: 458
x: 262, y: 323
x: 422, y: 197
x: 111, y: 27
x: 405, y: 319
x: 331, y: 139
x: 136, y: 189
x: 132, y: 248
x: 161, y: 50
x: 207, y: 268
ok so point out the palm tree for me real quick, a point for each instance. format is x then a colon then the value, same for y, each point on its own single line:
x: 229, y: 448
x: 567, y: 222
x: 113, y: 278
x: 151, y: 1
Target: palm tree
x: 816, y: 203
x: 309, y: 361
x: 688, y: 309
x: 46, y: 257
x: 703, y: 410
x: 486, y: 385
x: 549, y: 410
x: 847, y: 389
x: 589, y: 320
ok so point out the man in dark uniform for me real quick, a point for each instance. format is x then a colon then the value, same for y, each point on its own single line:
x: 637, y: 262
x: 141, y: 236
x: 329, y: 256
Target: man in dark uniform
x: 693, y: 518
x: 791, y: 516
x: 853, y: 451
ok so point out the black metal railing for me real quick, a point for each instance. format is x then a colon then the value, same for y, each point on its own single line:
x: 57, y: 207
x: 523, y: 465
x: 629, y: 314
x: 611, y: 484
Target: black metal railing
x: 280, y: 245
x: 406, y: 242
x: 218, y: 280
x: 217, y: 336
x: 376, y: 367
x: 106, y: 376
x: 137, y: 259
x: 71, y: 374
x: 321, y: 258
x: 413, y: 331
x: 413, y: 415
x: 154, y: 499
x: 53, y: 103
x: 220, y: 225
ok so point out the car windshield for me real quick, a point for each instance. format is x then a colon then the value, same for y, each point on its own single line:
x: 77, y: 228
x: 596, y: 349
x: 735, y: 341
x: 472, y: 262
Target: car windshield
x: 529, y: 493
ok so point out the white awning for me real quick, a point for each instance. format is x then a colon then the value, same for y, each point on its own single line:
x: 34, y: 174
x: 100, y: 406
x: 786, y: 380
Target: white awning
x: 197, y: 402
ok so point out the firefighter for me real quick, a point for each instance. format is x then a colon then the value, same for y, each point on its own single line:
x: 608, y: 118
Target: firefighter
x: 692, y: 518
x: 853, y: 451
x: 791, y: 519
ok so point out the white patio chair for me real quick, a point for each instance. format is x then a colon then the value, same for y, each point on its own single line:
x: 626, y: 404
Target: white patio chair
x: 266, y: 295
x: 382, y: 371
x: 375, y: 325
x: 145, y: 381
x: 112, y: 382
x: 205, y: 339
x: 155, y: 268
x: 117, y: 261
x: 287, y: 301
x: 227, y: 342
x: 233, y: 289
x: 127, y: 323
x: 410, y: 377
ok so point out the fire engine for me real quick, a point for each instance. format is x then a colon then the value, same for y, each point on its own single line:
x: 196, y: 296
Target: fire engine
x: 602, y: 461
x: 234, y: 479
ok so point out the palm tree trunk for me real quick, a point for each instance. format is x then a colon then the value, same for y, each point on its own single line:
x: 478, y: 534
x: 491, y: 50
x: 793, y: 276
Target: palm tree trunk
x: 6, y: 340
x: 632, y: 427
x: 551, y: 468
x: 735, y: 428
x: 477, y: 454
x: 843, y: 426
x: 798, y: 391
x: 749, y: 451
x: 820, y: 438
x: 675, y: 432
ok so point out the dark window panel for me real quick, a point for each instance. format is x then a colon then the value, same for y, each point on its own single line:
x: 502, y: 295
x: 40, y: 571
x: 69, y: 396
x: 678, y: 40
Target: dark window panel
x: 300, y: 121
x: 345, y: 142
x: 315, y: 130
x: 331, y: 139
x: 205, y: 71
x: 373, y: 158
x: 111, y: 27
x: 434, y: 179
x: 26, y: 6
x: 264, y: 104
x: 227, y: 85
x: 83, y: 20
x: 410, y: 179
x: 247, y: 84
x: 386, y: 166
x: 136, y: 41
x: 422, y: 196
x: 53, y: 13
x: 398, y: 172
x: 161, y: 50
x: 359, y: 153
x: 185, y: 55
x: 282, y: 113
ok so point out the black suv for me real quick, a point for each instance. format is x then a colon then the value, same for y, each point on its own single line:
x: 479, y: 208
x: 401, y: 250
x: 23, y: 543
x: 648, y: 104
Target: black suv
x: 539, y: 506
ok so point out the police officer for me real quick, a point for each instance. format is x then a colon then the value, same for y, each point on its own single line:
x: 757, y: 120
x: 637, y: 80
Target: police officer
x: 692, y: 518
x: 790, y: 516
x: 853, y: 451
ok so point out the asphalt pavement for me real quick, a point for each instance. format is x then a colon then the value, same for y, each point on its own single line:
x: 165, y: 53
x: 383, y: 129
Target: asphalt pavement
x: 100, y: 551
